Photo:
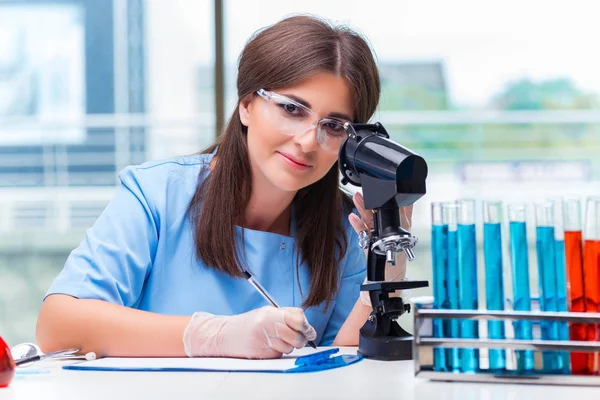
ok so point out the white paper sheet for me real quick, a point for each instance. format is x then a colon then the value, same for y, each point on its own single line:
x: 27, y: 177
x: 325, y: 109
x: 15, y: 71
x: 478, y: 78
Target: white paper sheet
x: 213, y: 364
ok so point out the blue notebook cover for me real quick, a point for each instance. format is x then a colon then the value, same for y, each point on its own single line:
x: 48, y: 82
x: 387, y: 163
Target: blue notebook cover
x: 319, y: 361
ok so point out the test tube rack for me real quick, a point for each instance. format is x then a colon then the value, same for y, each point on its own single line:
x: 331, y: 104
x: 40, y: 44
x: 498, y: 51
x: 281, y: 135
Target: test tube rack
x: 424, y: 343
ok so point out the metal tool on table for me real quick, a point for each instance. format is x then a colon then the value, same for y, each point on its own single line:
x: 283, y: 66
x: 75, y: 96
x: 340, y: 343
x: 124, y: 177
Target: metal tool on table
x: 27, y: 353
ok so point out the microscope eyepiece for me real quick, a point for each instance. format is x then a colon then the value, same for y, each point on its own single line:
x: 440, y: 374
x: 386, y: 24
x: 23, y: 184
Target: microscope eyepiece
x: 385, y: 169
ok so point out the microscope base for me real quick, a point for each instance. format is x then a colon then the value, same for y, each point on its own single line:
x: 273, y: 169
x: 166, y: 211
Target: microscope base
x: 386, y: 349
x: 397, y: 346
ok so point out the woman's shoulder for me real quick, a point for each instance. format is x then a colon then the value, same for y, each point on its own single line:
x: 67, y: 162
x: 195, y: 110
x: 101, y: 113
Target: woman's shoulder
x: 164, y: 170
x: 173, y: 178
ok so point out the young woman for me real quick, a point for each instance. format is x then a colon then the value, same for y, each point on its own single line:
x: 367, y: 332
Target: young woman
x: 161, y: 272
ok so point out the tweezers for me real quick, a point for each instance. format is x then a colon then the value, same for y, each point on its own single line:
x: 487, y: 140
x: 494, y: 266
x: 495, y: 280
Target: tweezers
x: 39, y: 357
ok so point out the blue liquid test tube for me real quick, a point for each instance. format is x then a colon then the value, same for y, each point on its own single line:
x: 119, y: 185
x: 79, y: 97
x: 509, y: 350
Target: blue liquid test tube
x: 452, y: 326
x: 494, y: 277
x: 561, y: 279
x: 517, y: 217
x: 467, y: 281
x: 546, y: 253
x: 439, y: 255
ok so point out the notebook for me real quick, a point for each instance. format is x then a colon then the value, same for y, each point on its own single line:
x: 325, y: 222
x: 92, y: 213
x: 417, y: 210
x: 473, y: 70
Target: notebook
x: 301, y: 360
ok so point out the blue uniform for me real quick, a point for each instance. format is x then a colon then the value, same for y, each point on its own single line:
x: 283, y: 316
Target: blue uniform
x: 140, y: 253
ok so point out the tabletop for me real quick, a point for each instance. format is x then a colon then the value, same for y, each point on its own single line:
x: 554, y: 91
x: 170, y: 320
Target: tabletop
x: 368, y: 379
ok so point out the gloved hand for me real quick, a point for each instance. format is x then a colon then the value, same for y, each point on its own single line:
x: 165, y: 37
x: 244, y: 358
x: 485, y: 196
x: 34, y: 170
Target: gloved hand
x: 266, y: 332
x: 392, y: 273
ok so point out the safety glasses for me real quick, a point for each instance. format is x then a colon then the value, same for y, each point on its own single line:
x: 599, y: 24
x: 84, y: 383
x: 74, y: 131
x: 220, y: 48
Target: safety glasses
x: 292, y: 118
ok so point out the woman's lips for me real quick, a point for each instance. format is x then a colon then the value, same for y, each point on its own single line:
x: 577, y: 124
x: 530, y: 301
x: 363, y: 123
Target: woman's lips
x: 295, y: 162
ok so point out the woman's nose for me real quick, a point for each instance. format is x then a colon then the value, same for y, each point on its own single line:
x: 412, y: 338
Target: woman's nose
x: 308, y: 140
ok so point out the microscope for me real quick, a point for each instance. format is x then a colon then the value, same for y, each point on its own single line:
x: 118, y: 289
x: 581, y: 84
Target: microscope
x: 391, y: 176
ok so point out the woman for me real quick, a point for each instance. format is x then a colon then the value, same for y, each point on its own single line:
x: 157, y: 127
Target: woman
x: 161, y: 273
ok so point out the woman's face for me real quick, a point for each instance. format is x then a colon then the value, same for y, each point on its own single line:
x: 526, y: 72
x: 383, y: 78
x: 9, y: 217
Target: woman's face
x: 282, y: 138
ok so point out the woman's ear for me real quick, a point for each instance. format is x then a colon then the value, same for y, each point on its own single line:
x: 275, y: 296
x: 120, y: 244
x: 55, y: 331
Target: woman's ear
x: 244, y: 109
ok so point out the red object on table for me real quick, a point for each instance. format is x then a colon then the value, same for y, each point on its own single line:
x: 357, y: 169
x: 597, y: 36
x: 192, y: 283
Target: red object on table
x: 7, y: 364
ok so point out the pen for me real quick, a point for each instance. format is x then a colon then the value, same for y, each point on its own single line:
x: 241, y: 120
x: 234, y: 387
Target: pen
x: 264, y: 294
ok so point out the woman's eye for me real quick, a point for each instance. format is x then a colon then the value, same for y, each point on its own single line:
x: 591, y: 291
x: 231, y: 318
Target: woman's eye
x: 334, y: 128
x: 291, y: 108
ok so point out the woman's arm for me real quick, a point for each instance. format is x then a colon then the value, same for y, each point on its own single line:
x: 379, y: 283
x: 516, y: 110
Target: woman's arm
x: 117, y: 331
x: 108, y: 329
x: 348, y: 333
x: 88, y: 306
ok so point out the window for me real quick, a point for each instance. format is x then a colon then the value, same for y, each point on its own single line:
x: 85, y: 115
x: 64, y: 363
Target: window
x: 87, y: 88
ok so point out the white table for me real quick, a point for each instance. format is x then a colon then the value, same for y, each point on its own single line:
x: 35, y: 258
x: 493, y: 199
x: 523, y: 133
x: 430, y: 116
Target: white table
x: 367, y: 379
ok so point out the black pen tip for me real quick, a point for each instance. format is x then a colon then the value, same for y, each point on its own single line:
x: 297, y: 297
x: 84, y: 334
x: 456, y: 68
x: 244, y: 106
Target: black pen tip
x: 312, y: 344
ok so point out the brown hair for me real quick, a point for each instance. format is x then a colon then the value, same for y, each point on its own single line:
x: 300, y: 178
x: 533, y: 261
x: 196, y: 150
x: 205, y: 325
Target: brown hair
x: 279, y: 56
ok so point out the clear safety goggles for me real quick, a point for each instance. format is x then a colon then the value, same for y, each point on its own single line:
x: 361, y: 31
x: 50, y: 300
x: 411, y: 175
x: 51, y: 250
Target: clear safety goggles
x: 292, y: 118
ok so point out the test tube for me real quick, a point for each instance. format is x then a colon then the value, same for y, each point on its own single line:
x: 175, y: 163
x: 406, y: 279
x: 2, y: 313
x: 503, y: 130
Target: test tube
x: 494, y: 278
x: 561, y: 278
x: 467, y: 280
x: 597, y: 356
x: 546, y: 254
x: 439, y: 255
x: 452, y: 326
x: 591, y: 250
x: 517, y: 217
x: 576, y: 286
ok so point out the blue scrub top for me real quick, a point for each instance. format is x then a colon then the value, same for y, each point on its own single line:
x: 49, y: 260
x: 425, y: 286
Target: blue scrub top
x: 140, y: 253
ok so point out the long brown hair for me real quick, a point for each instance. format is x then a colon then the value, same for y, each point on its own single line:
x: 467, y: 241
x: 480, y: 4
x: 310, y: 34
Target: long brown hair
x: 279, y: 56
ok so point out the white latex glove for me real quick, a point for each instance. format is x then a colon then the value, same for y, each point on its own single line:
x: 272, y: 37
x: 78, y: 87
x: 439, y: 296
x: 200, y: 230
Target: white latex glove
x: 392, y: 273
x: 267, y: 332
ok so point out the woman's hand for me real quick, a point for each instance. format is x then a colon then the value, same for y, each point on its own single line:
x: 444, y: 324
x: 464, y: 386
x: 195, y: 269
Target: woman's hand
x: 267, y: 332
x: 392, y: 273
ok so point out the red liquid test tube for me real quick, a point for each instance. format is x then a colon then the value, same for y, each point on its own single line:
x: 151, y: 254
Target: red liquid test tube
x: 591, y: 275
x: 575, y: 286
